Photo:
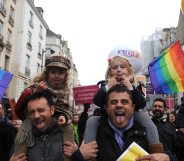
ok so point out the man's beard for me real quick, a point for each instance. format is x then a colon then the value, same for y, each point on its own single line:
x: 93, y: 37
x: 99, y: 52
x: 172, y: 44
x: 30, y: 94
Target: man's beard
x: 158, y: 114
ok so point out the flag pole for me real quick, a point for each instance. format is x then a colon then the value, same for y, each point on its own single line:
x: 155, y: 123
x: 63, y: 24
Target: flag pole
x: 138, y: 72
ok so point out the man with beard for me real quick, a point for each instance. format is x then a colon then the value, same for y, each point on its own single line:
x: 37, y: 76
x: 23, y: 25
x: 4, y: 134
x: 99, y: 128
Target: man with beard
x: 167, y: 133
x: 47, y: 143
x: 118, y: 129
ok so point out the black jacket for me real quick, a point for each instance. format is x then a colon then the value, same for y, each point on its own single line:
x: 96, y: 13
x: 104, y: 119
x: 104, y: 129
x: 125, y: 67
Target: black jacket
x: 179, y: 146
x: 7, y: 135
x: 138, y: 98
x: 108, y: 148
x: 47, y: 146
x: 167, y: 133
x: 180, y: 118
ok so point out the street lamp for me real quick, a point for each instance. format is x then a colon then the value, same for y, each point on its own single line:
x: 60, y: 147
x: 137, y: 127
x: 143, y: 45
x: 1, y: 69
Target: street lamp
x: 43, y: 51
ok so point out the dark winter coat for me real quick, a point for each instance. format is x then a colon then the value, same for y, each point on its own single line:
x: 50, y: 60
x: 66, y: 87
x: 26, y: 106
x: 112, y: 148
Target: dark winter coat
x: 7, y: 135
x: 47, y: 146
x: 179, y: 146
x: 167, y: 133
x: 108, y: 148
x: 81, y: 125
x: 180, y: 118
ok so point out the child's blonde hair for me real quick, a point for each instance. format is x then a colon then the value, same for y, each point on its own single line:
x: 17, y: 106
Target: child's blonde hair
x: 122, y: 60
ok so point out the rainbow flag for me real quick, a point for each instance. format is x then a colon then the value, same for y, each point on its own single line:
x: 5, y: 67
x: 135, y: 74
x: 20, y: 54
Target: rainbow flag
x: 5, y: 78
x: 167, y: 71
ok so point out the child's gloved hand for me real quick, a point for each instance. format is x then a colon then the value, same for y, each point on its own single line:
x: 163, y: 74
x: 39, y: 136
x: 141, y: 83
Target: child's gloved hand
x: 61, y: 120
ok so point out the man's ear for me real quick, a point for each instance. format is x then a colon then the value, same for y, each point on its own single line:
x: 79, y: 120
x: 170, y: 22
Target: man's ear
x: 52, y: 109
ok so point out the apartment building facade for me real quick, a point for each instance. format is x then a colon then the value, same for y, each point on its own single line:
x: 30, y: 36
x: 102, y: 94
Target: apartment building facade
x: 7, y: 32
x: 28, y: 44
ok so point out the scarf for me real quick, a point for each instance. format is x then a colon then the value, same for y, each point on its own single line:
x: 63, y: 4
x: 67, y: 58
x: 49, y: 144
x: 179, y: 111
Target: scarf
x: 24, y: 134
x: 120, y: 131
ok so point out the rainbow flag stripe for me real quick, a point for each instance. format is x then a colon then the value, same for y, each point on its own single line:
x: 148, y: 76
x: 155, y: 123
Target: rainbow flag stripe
x: 5, y: 78
x: 167, y: 71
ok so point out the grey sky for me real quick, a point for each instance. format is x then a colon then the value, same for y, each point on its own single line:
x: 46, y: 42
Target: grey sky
x: 94, y: 27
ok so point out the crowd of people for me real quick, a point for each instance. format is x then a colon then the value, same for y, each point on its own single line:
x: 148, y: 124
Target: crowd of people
x: 48, y: 130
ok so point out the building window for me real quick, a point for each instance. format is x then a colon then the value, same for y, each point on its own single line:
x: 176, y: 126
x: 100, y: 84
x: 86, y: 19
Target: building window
x: 28, y: 61
x: 8, y: 41
x: 41, y: 32
x: 1, y: 33
x: 27, y: 66
x: 38, y: 67
x: 6, y: 63
x: 9, y: 36
x: 39, y: 47
x: 31, y: 19
x: 1, y: 28
x: 2, y: 3
x: 11, y: 19
x: 14, y: 1
x: 29, y: 37
x: 29, y: 40
x: 39, y: 50
x: 2, y: 7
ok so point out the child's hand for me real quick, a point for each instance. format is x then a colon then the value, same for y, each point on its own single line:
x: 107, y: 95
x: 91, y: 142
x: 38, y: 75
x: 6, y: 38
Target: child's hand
x: 17, y: 124
x: 69, y: 148
x: 19, y: 157
x: 61, y: 120
x: 41, y: 86
x: 125, y: 81
x: 111, y: 82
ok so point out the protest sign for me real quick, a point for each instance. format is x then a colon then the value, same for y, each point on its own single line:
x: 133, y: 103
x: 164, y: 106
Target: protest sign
x: 84, y: 94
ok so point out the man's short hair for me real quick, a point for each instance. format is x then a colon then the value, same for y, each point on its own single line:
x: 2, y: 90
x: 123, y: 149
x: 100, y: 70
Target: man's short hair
x: 38, y: 95
x: 160, y: 100
x: 76, y: 114
x: 118, y: 88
